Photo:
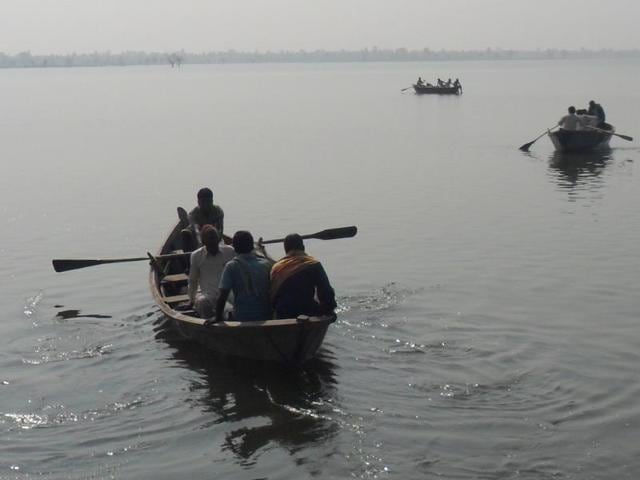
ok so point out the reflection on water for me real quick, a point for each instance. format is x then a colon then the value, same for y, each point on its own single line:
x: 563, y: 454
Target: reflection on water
x: 74, y: 313
x: 262, y: 403
x: 579, y: 170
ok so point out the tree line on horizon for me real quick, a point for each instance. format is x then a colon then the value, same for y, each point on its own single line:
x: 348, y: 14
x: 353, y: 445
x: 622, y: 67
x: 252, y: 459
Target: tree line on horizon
x: 175, y: 59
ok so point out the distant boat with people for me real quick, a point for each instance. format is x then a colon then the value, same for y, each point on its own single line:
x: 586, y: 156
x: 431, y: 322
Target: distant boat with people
x: 580, y: 131
x: 440, y: 88
x: 424, y: 89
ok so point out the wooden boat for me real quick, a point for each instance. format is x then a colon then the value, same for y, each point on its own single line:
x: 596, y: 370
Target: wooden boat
x: 290, y: 341
x: 437, y: 90
x: 582, y: 140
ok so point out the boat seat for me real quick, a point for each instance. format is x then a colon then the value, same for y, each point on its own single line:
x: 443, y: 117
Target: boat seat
x: 176, y: 298
x: 175, y: 278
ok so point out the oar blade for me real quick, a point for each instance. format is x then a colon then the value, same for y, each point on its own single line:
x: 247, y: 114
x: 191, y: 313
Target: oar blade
x: 526, y: 146
x: 74, y: 264
x: 65, y: 265
x: 335, y: 233
x: 625, y: 137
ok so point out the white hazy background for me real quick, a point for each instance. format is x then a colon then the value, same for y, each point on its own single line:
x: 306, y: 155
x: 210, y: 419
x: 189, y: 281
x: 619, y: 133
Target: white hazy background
x: 64, y: 26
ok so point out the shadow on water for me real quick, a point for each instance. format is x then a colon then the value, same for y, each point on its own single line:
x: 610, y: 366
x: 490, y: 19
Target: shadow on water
x: 262, y: 403
x: 579, y: 170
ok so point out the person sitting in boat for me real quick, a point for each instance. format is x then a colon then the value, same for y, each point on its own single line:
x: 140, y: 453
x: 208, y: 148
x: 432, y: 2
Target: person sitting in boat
x: 420, y: 82
x: 458, y: 85
x: 297, y: 280
x: 247, y: 276
x: 597, y: 110
x: 207, y: 263
x: 206, y: 213
x: 449, y: 83
x: 440, y: 83
x: 570, y: 121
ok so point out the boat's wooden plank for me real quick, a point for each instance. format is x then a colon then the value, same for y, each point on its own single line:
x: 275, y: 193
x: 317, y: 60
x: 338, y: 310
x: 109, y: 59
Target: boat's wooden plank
x: 175, y: 278
x: 176, y: 298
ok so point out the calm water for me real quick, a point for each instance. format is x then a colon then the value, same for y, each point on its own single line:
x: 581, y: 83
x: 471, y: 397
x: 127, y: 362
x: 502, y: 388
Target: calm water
x: 489, y: 304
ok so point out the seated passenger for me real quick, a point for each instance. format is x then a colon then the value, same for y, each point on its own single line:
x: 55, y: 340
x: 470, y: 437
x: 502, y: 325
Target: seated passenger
x: 207, y: 263
x: 449, y: 83
x: 206, y: 213
x: 420, y: 82
x: 440, y: 83
x: 247, y: 276
x: 299, y: 284
x: 597, y: 110
x: 570, y: 121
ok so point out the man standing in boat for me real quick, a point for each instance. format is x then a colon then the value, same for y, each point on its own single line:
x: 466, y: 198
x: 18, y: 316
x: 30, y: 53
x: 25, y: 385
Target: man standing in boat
x: 247, y: 276
x: 570, y: 121
x: 207, y: 263
x: 297, y: 280
x: 206, y: 213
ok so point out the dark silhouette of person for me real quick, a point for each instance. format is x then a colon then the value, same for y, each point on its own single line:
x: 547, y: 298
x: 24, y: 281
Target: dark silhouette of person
x: 597, y: 110
x: 297, y: 280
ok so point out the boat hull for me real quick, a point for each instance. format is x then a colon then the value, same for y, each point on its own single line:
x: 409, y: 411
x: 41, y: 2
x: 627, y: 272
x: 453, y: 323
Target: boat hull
x: 580, y: 140
x: 437, y: 90
x: 290, y: 341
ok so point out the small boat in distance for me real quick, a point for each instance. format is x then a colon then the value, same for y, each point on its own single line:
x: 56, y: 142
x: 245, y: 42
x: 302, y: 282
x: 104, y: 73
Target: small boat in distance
x: 590, y: 138
x: 289, y: 341
x: 431, y: 89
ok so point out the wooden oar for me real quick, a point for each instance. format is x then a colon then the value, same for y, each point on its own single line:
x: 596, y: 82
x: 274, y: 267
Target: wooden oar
x: 526, y: 146
x: 74, y: 264
x: 329, y: 234
x: 624, y: 137
x: 406, y: 88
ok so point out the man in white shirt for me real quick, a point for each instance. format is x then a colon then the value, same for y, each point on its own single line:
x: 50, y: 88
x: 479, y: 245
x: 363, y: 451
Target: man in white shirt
x: 570, y: 121
x: 207, y: 263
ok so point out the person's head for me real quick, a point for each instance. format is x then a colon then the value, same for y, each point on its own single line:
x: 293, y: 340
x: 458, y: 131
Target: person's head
x: 572, y: 109
x: 293, y: 241
x: 210, y: 238
x: 205, y: 198
x: 242, y: 242
x: 591, y: 103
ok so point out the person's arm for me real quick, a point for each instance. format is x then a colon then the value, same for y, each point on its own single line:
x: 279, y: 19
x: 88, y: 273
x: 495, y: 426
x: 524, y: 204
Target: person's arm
x: 224, y: 287
x: 326, y: 294
x: 221, y: 227
x: 194, y: 278
x: 222, y: 300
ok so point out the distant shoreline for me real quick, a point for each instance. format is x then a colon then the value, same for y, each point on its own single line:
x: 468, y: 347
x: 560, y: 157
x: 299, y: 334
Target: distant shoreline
x: 175, y: 59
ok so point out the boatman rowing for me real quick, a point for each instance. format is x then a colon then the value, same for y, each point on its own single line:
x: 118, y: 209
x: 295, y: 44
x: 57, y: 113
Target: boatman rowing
x: 571, y: 121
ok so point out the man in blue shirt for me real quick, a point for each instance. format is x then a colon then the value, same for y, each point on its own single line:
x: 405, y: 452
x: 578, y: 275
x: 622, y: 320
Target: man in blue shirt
x: 247, y: 276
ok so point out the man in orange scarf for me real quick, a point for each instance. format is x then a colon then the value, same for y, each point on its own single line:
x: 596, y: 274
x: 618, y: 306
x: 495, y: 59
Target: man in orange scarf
x: 299, y: 284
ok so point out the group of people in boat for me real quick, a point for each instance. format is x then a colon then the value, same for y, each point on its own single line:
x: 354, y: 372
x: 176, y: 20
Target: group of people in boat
x: 260, y: 287
x: 440, y: 84
x: 591, y: 117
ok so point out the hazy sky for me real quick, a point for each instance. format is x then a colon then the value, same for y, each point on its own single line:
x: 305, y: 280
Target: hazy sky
x: 62, y: 26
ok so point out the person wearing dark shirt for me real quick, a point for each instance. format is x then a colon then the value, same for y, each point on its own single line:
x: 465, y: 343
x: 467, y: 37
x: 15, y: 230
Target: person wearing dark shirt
x: 597, y: 110
x: 206, y: 213
x: 299, y: 284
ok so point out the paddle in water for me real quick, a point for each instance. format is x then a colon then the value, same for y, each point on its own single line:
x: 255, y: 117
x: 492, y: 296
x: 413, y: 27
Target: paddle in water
x: 526, y: 146
x: 624, y: 137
